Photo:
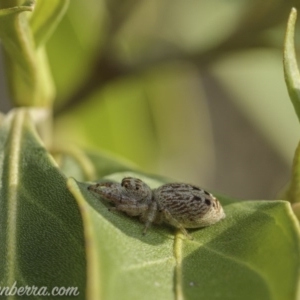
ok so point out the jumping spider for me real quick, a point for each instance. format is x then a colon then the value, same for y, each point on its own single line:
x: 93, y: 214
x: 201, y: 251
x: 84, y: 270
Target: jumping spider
x: 178, y: 204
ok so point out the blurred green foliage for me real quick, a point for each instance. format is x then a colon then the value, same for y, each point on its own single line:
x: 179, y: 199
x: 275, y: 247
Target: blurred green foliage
x: 135, y: 78
x: 132, y: 79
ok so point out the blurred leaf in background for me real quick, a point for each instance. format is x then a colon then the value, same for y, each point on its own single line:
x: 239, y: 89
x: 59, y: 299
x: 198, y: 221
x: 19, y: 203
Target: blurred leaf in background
x: 191, y: 90
x: 74, y: 47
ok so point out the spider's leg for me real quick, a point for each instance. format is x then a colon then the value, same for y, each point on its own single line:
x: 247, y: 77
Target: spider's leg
x: 172, y: 221
x: 150, y: 216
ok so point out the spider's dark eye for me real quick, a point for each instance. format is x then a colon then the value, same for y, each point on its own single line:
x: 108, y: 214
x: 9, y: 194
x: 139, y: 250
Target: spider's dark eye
x: 137, y: 188
x: 207, y: 201
x: 126, y: 185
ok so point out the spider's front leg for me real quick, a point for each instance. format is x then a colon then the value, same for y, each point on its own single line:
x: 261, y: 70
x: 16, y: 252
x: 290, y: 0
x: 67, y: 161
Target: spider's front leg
x: 150, y: 216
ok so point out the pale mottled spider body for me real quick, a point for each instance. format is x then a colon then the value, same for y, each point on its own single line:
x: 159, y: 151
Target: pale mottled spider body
x: 191, y: 206
x: 178, y: 204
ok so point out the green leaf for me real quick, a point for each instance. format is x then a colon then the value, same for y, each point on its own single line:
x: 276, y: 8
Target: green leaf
x: 256, y: 250
x: 74, y: 47
x: 41, y: 234
x: 292, y: 191
x: 292, y: 79
x: 45, y: 18
x: 138, y: 128
x: 291, y: 71
x: 28, y: 75
x: 252, y: 254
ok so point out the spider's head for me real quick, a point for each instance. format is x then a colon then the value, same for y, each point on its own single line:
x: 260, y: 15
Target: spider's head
x: 136, y: 189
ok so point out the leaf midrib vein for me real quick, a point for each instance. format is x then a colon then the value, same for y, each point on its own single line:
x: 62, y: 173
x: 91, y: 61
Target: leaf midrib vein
x: 13, y: 180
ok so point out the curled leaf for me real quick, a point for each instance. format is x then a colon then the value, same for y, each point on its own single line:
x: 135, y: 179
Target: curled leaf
x: 291, y: 71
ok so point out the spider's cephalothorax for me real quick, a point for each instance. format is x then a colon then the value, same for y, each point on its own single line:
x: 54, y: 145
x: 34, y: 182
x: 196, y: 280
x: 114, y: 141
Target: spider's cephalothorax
x: 132, y: 196
x: 136, y: 189
x: 178, y: 204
